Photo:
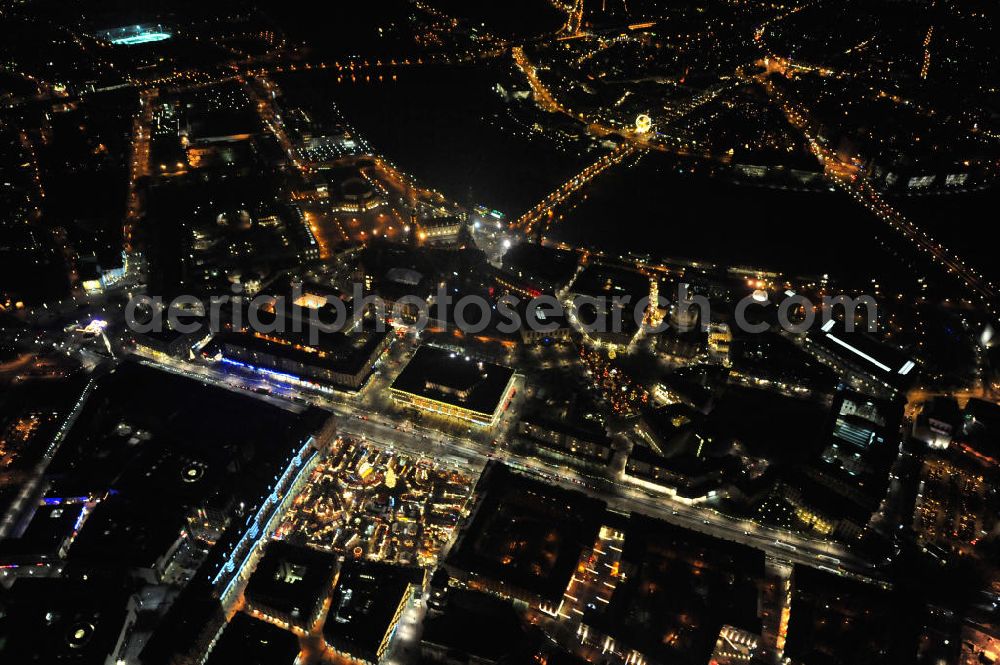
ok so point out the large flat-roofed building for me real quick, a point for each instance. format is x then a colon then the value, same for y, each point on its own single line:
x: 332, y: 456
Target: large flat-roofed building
x: 168, y: 459
x: 542, y: 325
x: 71, y: 621
x: 338, y: 359
x: 524, y: 538
x: 835, y: 489
x: 837, y: 620
x: 563, y: 440
x: 314, y: 338
x: 938, y: 422
x: 687, y: 477
x: 451, y: 385
x: 46, y: 538
x: 132, y: 533
x: 476, y: 629
x: 674, y: 590
x: 865, y: 362
x: 309, y: 300
x: 188, y: 630
x: 773, y: 362
x: 249, y: 641
x: 980, y: 431
x: 290, y: 584
x: 803, y: 498
x: 367, y: 603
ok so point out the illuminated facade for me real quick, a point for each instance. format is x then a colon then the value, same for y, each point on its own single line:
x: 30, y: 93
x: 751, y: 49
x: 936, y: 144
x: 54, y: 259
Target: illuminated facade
x: 440, y: 228
x: 358, y: 205
x: 344, y: 360
x: 861, y: 360
x: 289, y: 585
x: 556, y: 438
x: 367, y: 604
x: 719, y: 339
x: 455, y: 387
x: 683, y: 480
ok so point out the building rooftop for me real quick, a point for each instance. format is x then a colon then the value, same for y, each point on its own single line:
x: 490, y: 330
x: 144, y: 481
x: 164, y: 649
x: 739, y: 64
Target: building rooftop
x: 578, y: 429
x: 249, y: 641
x: 136, y: 408
x: 340, y: 352
x: 674, y: 428
x: 127, y: 533
x: 981, y: 428
x: 194, y: 615
x: 157, y: 447
x: 365, y: 604
x: 679, y: 588
x: 525, y: 535
x: 479, y: 626
x: 291, y: 579
x: 865, y: 352
x: 449, y: 377
x: 30, y: 415
x: 862, y: 439
x: 441, y: 222
x: 839, y: 621
x: 690, y: 473
x: 749, y: 416
x: 378, y: 260
x: 774, y: 358
x: 70, y: 621
x: 50, y: 527
x: 221, y: 124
